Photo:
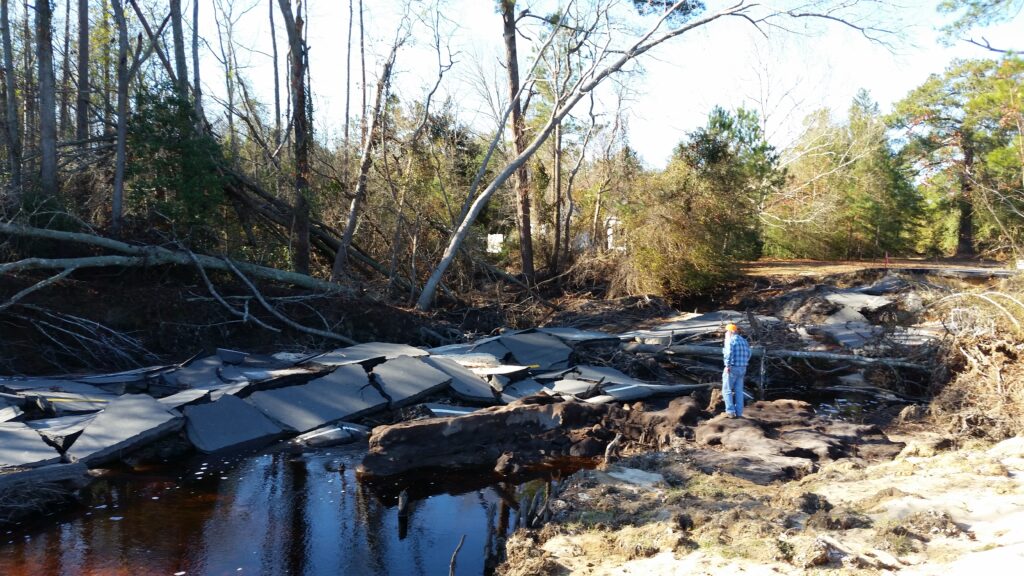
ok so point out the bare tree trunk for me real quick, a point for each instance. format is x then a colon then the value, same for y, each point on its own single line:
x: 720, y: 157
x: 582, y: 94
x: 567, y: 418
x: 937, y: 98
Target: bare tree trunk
x: 965, y: 202
x: 362, y: 66
x: 365, y: 162
x: 117, y: 210
x: 348, y: 99
x: 13, y: 132
x: 178, y: 33
x: 570, y: 201
x: 556, y: 184
x: 196, y: 87
x: 108, y: 111
x: 599, y: 241
x: 82, y: 101
x: 300, y: 128
x: 278, y: 136
x: 226, y: 39
x: 47, y: 102
x: 65, y: 77
x: 30, y: 97
x: 277, y: 78
x: 521, y: 178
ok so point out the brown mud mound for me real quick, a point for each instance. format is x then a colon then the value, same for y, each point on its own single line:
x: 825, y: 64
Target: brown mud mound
x: 782, y: 439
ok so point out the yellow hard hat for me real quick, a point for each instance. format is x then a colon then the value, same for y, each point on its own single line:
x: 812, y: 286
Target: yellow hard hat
x: 730, y: 327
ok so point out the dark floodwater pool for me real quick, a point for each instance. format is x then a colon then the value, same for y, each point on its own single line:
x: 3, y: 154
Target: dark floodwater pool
x: 267, y: 514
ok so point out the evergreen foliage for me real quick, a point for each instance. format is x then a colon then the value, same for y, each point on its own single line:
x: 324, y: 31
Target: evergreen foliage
x: 962, y: 130
x: 174, y: 170
x: 846, y: 195
x: 972, y: 14
x: 690, y: 225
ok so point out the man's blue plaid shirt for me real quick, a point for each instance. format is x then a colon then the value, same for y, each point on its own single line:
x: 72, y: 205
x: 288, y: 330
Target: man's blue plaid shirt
x: 736, y: 351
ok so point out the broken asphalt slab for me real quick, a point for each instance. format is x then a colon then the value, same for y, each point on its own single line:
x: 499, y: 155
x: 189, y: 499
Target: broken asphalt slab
x: 858, y: 301
x: 197, y: 373
x: 8, y: 411
x: 631, y: 392
x: 465, y: 384
x: 447, y: 410
x: 119, y: 382
x: 218, y: 391
x: 367, y: 353
x: 470, y: 359
x: 228, y: 424
x: 344, y: 394
x: 522, y: 389
x: 44, y: 385
x: 331, y: 435
x: 615, y: 386
x: 578, y: 388
x: 601, y: 374
x: 185, y: 397
x: 23, y: 447
x: 888, y: 284
x: 63, y: 430
x: 852, y: 335
x: 252, y: 373
x: 405, y: 380
x: 491, y: 346
x: 691, y: 325
x: 228, y: 356
x: 60, y: 396
x: 576, y: 337
x: 240, y: 366
x: 127, y: 423
x: 537, y: 350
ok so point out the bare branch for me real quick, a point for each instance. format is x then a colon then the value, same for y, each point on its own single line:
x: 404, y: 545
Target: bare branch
x: 37, y: 286
x: 984, y: 43
x: 244, y: 315
x: 266, y: 305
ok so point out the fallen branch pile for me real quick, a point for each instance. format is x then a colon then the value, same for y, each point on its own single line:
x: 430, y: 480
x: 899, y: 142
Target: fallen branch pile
x: 98, y: 345
x: 757, y: 352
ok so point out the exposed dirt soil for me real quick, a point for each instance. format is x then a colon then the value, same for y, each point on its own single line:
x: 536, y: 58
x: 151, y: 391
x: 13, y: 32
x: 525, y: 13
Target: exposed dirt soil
x: 929, y: 511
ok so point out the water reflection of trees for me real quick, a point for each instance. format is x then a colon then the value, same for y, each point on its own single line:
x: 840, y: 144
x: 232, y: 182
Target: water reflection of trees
x: 277, y: 513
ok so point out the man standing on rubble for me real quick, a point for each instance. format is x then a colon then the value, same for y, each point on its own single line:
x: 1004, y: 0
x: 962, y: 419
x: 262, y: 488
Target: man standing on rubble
x: 736, y: 355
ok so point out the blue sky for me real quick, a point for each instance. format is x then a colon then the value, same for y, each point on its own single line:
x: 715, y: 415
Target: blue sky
x: 785, y: 75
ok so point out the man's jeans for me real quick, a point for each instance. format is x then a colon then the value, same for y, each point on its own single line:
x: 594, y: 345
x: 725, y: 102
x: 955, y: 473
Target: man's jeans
x: 732, y: 389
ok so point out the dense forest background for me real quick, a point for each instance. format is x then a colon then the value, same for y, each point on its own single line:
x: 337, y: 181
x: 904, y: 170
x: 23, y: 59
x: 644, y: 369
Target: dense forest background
x: 110, y: 144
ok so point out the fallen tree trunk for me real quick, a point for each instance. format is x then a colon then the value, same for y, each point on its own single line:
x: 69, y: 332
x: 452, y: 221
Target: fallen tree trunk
x: 147, y: 256
x: 756, y: 352
x: 325, y: 238
x: 525, y: 433
x: 77, y: 472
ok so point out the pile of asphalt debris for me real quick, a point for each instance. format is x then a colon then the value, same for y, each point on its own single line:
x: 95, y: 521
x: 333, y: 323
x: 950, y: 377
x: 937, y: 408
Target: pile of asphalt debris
x: 505, y: 402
